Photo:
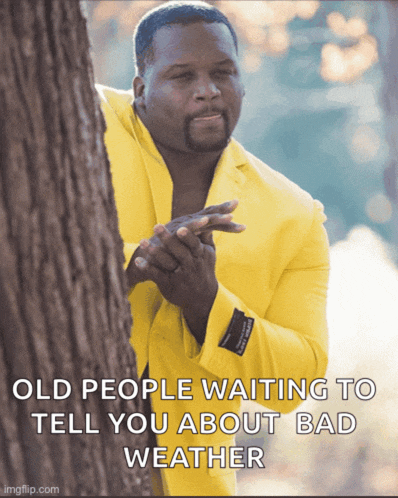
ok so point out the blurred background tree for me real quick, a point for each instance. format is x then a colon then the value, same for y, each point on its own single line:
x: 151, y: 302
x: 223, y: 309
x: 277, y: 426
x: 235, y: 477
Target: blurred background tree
x: 388, y: 37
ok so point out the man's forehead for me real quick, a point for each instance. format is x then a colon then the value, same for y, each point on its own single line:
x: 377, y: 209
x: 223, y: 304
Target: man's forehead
x: 184, y: 43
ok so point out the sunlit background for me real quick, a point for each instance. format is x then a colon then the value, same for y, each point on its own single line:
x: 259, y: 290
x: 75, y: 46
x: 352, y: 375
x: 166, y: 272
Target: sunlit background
x: 315, y: 110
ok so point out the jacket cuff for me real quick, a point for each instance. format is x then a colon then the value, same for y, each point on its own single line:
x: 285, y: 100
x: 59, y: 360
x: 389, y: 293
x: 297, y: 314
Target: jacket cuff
x: 210, y: 356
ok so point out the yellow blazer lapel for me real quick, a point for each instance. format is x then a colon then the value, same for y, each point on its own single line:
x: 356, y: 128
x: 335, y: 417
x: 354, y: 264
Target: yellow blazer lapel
x: 158, y: 174
x: 228, y: 178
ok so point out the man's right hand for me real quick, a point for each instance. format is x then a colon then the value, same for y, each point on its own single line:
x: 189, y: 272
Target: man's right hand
x: 217, y: 217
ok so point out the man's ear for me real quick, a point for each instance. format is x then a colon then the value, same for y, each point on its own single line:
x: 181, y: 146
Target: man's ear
x: 139, y: 92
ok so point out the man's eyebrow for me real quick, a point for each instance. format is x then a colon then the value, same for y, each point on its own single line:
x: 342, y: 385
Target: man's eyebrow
x: 175, y: 67
x: 229, y: 62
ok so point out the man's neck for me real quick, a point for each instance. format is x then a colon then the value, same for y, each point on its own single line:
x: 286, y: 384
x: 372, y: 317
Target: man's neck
x: 190, y: 169
x: 186, y: 168
x: 192, y: 175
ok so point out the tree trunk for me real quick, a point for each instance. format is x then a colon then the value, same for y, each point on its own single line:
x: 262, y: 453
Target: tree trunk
x: 63, y: 307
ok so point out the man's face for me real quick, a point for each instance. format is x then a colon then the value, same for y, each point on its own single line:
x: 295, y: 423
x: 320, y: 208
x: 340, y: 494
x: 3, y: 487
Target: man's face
x: 191, y: 94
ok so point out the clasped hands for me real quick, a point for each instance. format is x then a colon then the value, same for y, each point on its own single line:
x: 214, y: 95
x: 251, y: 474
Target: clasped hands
x: 180, y: 257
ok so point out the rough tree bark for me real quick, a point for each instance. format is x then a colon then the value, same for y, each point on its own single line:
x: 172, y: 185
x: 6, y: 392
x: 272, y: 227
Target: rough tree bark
x: 63, y: 307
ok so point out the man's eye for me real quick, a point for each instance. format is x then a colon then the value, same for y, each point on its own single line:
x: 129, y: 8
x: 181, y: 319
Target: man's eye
x: 183, y: 76
x: 223, y: 73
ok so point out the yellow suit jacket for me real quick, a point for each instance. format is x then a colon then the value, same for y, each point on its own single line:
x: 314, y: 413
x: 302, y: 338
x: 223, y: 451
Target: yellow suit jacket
x: 275, y: 272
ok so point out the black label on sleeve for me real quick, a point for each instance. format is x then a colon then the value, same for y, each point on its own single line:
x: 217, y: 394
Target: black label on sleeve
x: 238, y: 332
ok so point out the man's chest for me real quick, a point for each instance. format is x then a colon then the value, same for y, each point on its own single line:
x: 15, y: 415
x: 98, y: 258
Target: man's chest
x: 188, y: 199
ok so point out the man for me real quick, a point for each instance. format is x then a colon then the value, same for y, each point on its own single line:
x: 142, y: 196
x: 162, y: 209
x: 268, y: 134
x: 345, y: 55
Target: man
x: 251, y: 303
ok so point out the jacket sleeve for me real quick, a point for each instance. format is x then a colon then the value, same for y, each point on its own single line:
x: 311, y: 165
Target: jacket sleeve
x: 290, y: 341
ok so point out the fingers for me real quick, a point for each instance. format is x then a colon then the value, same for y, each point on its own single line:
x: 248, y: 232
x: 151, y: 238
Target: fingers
x: 168, y: 251
x: 191, y: 241
x: 224, y: 208
x: 175, y: 247
x: 156, y: 255
x: 150, y: 272
x: 207, y: 238
x: 219, y: 214
x: 192, y: 222
x: 230, y: 227
x: 196, y: 224
x: 182, y: 239
x: 219, y: 220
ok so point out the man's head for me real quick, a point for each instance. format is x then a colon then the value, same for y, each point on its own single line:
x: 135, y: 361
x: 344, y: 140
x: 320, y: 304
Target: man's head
x: 188, y: 91
x: 183, y: 13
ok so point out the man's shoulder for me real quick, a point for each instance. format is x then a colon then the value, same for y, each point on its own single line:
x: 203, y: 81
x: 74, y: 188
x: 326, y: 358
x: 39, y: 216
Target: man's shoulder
x: 117, y: 108
x: 125, y: 134
x: 116, y: 105
x: 114, y: 97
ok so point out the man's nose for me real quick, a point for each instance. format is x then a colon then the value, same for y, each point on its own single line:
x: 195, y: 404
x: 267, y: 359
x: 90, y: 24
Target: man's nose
x: 206, y: 90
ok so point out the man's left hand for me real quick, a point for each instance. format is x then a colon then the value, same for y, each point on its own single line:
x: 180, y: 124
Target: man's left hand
x: 193, y: 285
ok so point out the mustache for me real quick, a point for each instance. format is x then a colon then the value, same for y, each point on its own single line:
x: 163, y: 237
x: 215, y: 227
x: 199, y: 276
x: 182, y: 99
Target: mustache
x: 206, y: 112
